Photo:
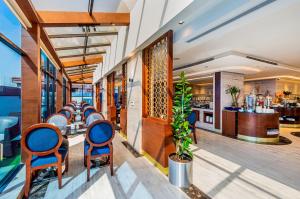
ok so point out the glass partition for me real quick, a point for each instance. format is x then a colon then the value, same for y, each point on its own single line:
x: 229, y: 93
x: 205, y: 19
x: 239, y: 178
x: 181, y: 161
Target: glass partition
x: 10, y: 96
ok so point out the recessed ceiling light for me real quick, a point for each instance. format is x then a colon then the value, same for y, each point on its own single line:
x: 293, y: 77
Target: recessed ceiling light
x: 181, y: 22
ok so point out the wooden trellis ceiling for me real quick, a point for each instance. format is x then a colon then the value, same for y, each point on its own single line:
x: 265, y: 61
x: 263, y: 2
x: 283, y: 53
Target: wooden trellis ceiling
x: 80, y: 38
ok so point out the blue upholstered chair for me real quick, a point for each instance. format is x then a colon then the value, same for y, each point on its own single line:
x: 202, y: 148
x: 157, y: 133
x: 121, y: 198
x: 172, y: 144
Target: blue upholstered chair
x: 192, y: 119
x: 71, y: 105
x: 67, y: 113
x: 42, y: 145
x: 98, y: 143
x: 87, y: 111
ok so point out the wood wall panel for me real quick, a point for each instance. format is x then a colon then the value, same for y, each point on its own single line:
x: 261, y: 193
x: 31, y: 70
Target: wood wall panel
x: 31, y: 77
x: 111, y: 108
x: 229, y: 123
x: 123, y: 120
x: 157, y: 140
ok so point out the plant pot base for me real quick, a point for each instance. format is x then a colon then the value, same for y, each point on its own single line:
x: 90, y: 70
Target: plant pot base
x: 180, y: 174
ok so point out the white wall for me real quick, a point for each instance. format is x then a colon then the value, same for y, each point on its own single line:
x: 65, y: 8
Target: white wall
x: 134, y: 102
x: 261, y: 87
x: 146, y: 18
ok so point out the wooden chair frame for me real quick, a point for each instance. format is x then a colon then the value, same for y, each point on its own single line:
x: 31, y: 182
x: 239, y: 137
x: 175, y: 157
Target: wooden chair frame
x: 89, y: 157
x: 54, y: 150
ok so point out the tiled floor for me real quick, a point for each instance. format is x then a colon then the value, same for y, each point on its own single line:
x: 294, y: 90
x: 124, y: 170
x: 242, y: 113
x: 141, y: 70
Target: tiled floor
x: 223, y: 168
x: 229, y: 168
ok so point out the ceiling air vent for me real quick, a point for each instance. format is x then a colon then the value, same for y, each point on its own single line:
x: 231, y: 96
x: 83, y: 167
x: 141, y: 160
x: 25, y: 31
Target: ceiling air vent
x: 261, y: 60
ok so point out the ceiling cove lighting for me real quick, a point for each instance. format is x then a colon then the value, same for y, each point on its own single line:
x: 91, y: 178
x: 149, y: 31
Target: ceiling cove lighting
x: 274, y: 77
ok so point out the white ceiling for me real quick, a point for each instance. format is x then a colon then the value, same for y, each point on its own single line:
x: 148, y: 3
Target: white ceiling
x: 82, y: 5
x: 271, y: 33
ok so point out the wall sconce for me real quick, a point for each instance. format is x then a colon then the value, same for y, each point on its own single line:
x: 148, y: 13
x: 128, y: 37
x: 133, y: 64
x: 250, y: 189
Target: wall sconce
x: 131, y: 80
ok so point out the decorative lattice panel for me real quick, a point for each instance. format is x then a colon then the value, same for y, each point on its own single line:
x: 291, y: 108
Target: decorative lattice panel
x: 157, y: 63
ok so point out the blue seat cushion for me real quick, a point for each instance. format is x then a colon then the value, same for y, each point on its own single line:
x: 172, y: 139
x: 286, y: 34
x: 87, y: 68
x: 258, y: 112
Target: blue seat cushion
x: 49, y: 159
x: 96, y: 150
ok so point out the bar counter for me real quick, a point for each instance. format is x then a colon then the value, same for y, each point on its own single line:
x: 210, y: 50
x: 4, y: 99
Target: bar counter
x: 258, y: 127
x: 289, y: 116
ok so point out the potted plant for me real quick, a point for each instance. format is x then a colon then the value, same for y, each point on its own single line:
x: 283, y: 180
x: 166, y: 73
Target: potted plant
x: 235, y: 93
x: 180, y: 162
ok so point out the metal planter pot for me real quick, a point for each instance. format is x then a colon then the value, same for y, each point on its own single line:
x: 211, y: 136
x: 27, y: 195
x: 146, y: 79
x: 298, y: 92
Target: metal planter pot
x: 180, y: 174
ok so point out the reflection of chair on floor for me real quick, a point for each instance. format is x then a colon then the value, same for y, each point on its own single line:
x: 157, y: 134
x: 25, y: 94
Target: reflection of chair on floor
x: 42, y: 145
x: 9, y: 135
x: 98, y: 143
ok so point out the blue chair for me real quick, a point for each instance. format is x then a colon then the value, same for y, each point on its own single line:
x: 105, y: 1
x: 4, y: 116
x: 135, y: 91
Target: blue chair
x: 192, y: 119
x: 98, y: 143
x: 84, y: 105
x: 87, y: 111
x: 66, y: 113
x: 42, y: 145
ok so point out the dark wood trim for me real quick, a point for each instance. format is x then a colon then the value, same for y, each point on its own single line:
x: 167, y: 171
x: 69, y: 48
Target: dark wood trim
x: 217, y: 100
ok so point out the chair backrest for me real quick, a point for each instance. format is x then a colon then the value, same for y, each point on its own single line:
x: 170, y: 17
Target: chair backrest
x: 71, y: 106
x: 41, y: 139
x: 58, y: 120
x: 88, y: 111
x: 66, y: 112
x: 100, y: 132
x: 192, y: 118
x: 93, y: 117
x: 83, y: 106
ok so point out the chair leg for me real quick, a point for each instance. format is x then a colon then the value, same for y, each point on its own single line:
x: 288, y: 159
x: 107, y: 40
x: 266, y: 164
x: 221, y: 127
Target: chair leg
x: 59, y: 175
x: 111, y: 162
x: 195, y: 138
x: 84, y: 161
x: 88, y: 167
x: 67, y: 163
x: 27, y: 182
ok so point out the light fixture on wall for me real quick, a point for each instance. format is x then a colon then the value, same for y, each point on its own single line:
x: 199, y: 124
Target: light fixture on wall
x: 131, y: 80
x: 181, y: 22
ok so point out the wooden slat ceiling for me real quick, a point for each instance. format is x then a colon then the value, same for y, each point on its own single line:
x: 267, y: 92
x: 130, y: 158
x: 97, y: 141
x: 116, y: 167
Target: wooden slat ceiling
x: 81, y: 39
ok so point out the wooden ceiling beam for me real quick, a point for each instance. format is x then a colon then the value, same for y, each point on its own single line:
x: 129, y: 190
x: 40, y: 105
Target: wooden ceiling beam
x: 90, y: 34
x: 76, y: 63
x: 81, y: 72
x: 87, y: 75
x: 79, y: 47
x: 68, y: 19
x: 81, y: 55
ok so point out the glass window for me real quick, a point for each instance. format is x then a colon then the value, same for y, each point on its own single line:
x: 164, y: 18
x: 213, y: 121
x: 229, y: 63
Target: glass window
x: 82, y: 92
x: 48, y: 87
x: 10, y: 96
